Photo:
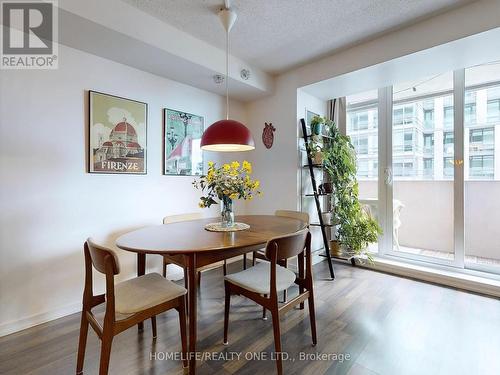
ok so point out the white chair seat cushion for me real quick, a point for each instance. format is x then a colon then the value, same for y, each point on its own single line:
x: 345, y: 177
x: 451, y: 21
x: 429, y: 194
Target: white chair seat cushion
x: 143, y: 292
x: 258, y: 278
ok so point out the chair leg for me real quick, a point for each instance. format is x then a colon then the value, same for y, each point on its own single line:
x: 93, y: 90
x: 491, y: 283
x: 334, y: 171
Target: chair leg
x: 264, y: 317
x: 227, y: 305
x: 277, y: 339
x: 254, y: 256
x: 182, y: 323
x: 185, y: 277
x: 284, y: 296
x: 165, y: 263
x: 312, y: 317
x: 244, y: 261
x: 224, y: 268
x: 153, y: 326
x: 107, y: 340
x: 82, y: 344
x: 199, y: 280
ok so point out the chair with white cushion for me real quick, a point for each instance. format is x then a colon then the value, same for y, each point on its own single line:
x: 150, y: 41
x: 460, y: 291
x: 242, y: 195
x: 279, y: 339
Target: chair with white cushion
x: 127, y: 303
x: 262, y: 283
x: 260, y: 254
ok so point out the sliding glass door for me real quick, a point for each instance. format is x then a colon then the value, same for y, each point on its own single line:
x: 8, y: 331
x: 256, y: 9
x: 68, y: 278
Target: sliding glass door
x: 482, y: 167
x: 362, y: 127
x: 428, y: 155
x: 422, y: 168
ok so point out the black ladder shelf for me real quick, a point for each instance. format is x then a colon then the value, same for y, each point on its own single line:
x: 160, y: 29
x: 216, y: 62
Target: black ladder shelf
x: 316, y: 195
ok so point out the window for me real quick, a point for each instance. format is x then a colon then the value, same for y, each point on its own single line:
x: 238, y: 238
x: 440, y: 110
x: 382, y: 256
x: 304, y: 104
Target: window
x: 403, y: 169
x: 403, y: 115
x: 358, y: 120
x: 428, y: 142
x: 448, y: 167
x: 408, y: 139
x: 448, y: 116
x: 481, y: 166
x: 363, y: 168
x: 448, y: 139
x: 360, y: 145
x: 482, y: 136
x: 493, y: 110
x: 429, y: 118
x: 470, y: 113
x: 428, y: 167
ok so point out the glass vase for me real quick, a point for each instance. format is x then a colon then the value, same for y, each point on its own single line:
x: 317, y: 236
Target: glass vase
x: 227, y: 213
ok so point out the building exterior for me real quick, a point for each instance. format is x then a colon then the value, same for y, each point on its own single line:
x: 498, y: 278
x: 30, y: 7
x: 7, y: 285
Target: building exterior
x: 423, y: 138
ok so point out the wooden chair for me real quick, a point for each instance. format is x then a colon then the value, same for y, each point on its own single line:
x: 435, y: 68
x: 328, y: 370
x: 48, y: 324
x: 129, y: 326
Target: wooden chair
x: 179, y: 260
x: 268, y: 278
x: 260, y: 254
x: 127, y: 303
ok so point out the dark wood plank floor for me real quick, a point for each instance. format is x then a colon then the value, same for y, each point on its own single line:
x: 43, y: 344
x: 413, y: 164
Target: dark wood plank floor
x: 380, y: 324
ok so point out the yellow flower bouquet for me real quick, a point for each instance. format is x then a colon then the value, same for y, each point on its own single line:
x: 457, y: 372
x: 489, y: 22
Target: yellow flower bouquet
x: 228, y: 182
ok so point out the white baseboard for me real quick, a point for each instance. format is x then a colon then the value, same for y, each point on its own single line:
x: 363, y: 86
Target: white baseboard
x: 173, y: 273
x: 36, y: 319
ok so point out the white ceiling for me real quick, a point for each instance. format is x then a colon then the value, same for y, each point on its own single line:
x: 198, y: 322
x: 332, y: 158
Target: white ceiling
x: 276, y: 35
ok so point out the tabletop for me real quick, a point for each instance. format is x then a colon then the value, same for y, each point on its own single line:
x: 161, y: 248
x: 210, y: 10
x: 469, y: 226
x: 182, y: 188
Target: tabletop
x: 191, y: 236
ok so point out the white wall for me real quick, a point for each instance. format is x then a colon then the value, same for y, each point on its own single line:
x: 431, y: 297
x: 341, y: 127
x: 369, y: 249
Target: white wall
x: 49, y: 204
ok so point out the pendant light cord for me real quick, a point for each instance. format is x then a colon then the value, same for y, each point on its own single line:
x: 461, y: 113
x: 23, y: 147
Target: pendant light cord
x: 227, y: 74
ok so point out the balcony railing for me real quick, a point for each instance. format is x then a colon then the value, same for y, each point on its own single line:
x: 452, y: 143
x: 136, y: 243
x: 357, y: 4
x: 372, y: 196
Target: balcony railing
x: 427, y: 219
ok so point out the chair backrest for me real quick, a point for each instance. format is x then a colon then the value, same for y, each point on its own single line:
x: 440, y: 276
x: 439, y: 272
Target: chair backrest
x: 182, y: 217
x: 100, y: 255
x: 289, y: 245
x: 303, y: 216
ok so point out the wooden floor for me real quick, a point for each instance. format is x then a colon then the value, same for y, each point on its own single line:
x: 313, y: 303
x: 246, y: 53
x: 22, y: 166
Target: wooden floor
x: 380, y: 324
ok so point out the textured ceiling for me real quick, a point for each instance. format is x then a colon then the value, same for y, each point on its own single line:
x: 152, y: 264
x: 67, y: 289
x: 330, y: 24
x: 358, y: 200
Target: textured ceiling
x: 277, y: 35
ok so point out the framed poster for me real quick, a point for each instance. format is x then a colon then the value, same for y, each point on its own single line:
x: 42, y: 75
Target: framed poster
x: 117, y: 134
x: 181, y: 139
x: 309, y: 116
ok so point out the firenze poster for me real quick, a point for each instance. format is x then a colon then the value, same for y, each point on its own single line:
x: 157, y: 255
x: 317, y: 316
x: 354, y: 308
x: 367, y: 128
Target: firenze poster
x: 117, y: 134
x: 182, y: 131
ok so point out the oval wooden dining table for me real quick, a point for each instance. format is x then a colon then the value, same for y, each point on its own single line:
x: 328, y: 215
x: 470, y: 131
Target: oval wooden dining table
x: 199, y: 247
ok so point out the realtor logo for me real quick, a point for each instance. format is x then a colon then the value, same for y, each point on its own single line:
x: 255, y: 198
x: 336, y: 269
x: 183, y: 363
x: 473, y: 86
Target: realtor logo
x: 29, y: 31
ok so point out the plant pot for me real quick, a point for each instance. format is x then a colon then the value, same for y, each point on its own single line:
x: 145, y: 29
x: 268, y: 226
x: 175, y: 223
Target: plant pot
x: 326, y: 187
x: 318, y: 158
x: 327, y: 218
x: 316, y: 128
x: 335, y: 248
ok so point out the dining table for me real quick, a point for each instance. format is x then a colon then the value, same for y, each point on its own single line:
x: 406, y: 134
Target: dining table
x: 198, y: 247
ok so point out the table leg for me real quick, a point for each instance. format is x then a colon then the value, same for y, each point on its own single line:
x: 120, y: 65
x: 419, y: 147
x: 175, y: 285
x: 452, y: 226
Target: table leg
x: 141, y: 270
x: 192, y: 286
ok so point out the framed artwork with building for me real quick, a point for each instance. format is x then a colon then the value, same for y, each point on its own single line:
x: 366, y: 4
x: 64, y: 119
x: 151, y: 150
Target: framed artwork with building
x: 181, y: 139
x: 117, y: 134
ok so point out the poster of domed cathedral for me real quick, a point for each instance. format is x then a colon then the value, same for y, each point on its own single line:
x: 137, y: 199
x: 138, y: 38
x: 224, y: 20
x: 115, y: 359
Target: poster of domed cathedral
x: 182, y: 138
x: 117, y: 134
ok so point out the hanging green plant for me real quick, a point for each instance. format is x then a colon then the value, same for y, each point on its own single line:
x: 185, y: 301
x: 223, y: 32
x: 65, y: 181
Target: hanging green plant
x: 356, y: 228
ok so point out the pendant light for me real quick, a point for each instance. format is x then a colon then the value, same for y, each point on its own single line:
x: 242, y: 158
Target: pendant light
x: 227, y: 135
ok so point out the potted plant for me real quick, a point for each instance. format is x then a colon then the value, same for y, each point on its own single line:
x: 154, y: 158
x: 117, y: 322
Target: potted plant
x: 355, y: 227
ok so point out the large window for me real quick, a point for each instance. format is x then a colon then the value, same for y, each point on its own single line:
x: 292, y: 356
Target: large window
x: 422, y: 162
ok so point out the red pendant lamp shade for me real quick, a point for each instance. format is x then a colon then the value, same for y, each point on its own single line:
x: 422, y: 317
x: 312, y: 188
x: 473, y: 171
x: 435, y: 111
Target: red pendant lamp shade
x: 227, y: 135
